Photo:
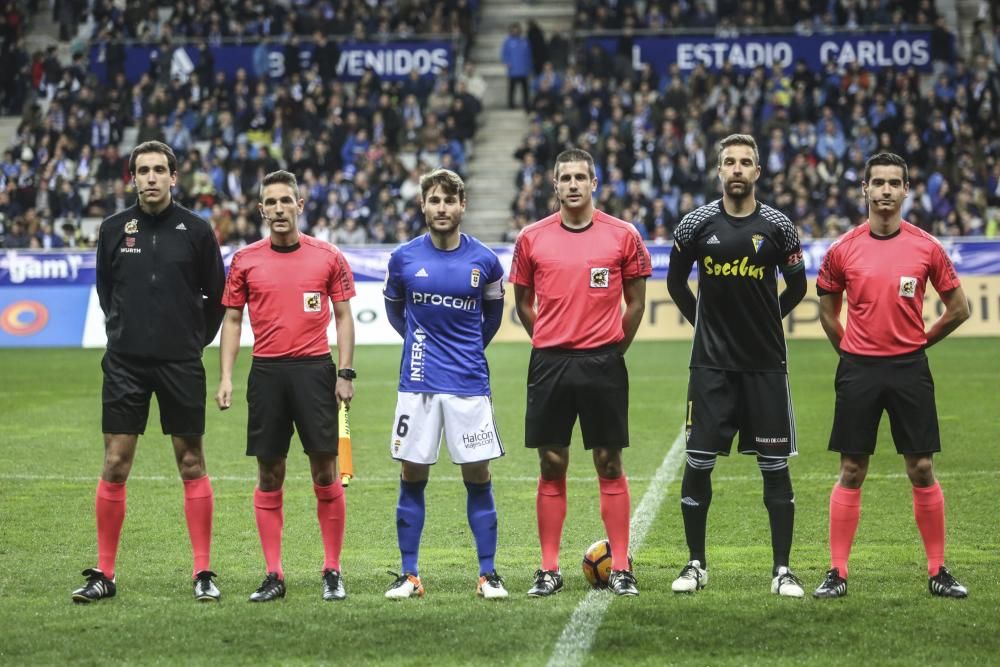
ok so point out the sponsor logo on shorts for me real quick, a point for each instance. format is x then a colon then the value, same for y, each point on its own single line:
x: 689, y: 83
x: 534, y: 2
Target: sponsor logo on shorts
x: 311, y: 302
x: 600, y: 277
x: 907, y: 287
x: 130, y: 251
x: 474, y: 278
x: 481, y: 438
x: 132, y: 226
x: 770, y: 441
x: 130, y: 242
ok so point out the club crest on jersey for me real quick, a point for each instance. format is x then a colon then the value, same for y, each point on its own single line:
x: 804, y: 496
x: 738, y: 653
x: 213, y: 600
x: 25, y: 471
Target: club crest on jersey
x: 311, y: 302
x: 474, y: 278
x: 758, y: 241
x: 600, y: 277
x: 907, y: 287
x: 132, y: 226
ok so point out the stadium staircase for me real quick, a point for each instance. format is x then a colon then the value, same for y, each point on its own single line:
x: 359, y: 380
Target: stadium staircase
x: 8, y: 130
x: 41, y: 32
x: 491, y: 171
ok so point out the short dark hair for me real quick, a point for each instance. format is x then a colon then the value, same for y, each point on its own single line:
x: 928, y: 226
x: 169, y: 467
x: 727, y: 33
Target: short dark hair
x: 739, y: 140
x: 576, y: 155
x: 886, y: 160
x: 280, y: 176
x: 153, y: 147
x: 448, y: 180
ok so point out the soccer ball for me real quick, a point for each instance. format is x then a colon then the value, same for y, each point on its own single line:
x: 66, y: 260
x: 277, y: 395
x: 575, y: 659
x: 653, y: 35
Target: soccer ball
x: 597, y: 563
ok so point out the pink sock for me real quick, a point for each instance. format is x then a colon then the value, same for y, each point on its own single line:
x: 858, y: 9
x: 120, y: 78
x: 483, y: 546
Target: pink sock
x: 267, y: 507
x: 331, y: 509
x: 845, y: 513
x: 928, y: 509
x: 199, y: 503
x: 110, y: 510
x: 615, y: 506
x: 550, y: 507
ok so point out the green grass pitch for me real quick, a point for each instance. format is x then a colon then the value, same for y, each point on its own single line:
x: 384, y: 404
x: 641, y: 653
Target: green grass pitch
x: 50, y: 447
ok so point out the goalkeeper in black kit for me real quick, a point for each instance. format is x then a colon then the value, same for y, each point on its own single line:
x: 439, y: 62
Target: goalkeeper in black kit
x: 739, y: 375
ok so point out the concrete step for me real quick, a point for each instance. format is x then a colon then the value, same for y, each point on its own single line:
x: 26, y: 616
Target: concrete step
x: 491, y: 69
x: 8, y: 130
x: 561, y: 22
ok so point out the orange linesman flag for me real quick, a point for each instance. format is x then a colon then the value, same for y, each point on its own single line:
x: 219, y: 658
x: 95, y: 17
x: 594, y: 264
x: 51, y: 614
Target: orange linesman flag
x: 344, y: 446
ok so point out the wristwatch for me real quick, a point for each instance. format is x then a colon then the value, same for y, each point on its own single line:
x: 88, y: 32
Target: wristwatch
x: 347, y: 373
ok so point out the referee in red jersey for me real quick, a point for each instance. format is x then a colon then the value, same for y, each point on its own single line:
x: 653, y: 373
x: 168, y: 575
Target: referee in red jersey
x: 570, y: 272
x: 884, y: 265
x: 289, y: 281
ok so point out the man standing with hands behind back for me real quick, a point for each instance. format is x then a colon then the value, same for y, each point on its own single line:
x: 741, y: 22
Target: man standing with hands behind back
x: 884, y: 265
x: 159, y: 280
x: 570, y: 272
x: 289, y: 281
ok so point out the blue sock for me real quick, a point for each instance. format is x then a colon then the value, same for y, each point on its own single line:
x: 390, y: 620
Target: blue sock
x: 410, y: 523
x: 482, y: 513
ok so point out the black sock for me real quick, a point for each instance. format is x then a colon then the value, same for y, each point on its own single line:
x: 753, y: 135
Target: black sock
x: 696, y: 497
x: 780, y: 503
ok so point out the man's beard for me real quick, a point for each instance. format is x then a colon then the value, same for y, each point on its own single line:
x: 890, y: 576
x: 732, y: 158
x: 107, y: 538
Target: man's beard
x: 747, y: 191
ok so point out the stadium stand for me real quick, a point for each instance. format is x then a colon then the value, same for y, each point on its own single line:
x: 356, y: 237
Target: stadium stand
x: 652, y: 135
x: 359, y: 147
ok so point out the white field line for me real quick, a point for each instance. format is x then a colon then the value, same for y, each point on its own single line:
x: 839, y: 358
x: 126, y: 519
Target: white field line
x: 578, y: 636
x: 499, y: 479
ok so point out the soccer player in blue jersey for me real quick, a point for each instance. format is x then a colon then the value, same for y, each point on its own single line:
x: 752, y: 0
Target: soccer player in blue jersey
x: 444, y: 295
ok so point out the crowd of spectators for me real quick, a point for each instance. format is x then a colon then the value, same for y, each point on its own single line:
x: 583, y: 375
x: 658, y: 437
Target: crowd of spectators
x: 217, y: 21
x: 725, y: 16
x: 653, y: 135
x: 358, y: 148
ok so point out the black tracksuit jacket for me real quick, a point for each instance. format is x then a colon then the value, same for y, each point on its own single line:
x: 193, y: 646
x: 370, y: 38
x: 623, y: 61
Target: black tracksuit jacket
x: 160, y: 281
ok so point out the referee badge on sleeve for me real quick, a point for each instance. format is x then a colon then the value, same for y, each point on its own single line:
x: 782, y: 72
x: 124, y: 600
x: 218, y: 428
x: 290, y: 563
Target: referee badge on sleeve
x: 907, y: 287
x: 311, y: 302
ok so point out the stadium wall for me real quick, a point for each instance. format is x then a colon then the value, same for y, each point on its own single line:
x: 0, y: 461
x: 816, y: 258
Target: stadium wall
x: 47, y: 299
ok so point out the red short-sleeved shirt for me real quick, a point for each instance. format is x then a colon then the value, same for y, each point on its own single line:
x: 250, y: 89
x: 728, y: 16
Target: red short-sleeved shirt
x: 885, y: 278
x: 289, y: 295
x: 577, y: 276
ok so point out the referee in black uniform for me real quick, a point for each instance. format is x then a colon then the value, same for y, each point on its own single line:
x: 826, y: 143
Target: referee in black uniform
x: 160, y: 278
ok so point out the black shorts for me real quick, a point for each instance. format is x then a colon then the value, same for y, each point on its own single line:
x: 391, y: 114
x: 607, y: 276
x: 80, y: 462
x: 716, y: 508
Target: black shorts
x: 758, y: 405
x: 129, y: 382
x: 902, y: 386
x: 288, y: 394
x: 564, y: 384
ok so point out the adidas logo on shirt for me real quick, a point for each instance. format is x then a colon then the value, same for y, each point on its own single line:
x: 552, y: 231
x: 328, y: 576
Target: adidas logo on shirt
x: 180, y: 225
x: 714, y: 240
x: 422, y: 273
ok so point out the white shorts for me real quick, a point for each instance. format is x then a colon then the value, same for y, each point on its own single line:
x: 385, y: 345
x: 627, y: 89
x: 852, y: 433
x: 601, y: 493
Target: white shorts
x: 466, y: 421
